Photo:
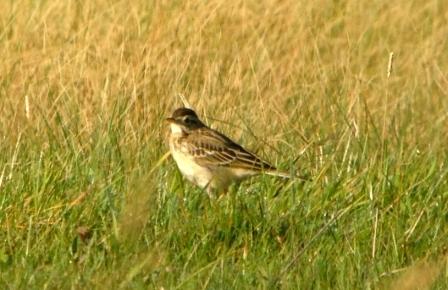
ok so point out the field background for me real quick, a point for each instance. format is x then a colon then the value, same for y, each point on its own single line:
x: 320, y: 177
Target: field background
x: 87, y: 202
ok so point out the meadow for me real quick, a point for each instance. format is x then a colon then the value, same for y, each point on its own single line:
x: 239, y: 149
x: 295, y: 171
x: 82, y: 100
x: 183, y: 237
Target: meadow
x: 352, y: 94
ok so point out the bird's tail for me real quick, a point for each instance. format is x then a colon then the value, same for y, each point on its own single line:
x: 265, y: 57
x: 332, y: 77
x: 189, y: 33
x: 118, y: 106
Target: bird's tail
x: 285, y: 174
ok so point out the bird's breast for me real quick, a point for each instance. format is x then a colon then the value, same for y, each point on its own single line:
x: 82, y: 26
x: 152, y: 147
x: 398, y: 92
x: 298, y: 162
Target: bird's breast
x: 195, y: 173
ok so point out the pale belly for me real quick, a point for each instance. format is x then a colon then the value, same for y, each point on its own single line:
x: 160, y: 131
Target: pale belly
x: 214, y: 177
x: 200, y: 176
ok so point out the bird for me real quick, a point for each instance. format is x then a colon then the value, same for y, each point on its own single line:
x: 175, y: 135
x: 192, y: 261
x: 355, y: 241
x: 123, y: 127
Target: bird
x: 208, y: 158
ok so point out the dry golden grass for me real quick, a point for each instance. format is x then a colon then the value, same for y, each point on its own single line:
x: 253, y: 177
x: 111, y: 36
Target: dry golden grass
x: 310, y: 62
x: 419, y: 276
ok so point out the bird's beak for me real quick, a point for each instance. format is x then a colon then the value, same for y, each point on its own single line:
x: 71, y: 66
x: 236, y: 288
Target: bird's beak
x: 170, y: 120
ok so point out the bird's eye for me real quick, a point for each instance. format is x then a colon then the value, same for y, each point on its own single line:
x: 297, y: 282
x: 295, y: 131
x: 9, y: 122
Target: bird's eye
x: 188, y: 120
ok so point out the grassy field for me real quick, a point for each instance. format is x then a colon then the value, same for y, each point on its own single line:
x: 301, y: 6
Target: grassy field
x: 88, y: 202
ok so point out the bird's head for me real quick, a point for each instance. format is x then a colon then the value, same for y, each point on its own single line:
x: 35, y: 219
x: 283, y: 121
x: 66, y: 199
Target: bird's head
x: 183, y: 121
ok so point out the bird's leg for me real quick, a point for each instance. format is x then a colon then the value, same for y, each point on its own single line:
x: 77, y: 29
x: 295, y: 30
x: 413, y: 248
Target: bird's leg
x: 222, y: 194
x: 210, y: 192
x: 215, y: 193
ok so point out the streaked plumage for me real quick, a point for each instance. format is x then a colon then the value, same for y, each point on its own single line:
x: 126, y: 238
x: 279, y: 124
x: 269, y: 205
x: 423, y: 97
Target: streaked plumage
x: 208, y: 158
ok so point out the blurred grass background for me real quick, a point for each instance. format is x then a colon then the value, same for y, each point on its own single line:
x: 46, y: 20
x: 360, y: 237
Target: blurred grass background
x: 84, y: 88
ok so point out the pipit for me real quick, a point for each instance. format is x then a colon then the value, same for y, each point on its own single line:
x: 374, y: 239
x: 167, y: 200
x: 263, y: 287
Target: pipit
x: 210, y: 159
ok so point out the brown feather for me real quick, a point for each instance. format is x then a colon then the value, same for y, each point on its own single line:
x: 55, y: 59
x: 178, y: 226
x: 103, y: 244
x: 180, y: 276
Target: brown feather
x: 211, y: 148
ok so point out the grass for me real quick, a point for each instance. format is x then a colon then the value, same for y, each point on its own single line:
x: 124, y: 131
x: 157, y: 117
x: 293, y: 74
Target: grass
x: 87, y: 201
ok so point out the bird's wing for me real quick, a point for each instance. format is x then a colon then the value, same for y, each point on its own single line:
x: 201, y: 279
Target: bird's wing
x: 211, y: 148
